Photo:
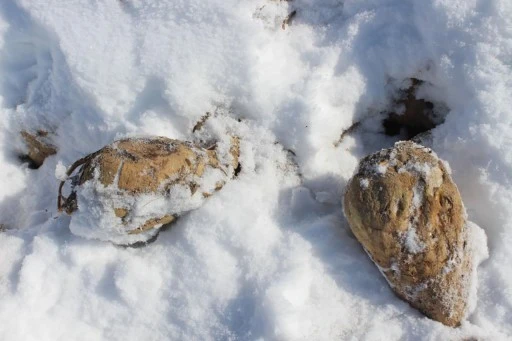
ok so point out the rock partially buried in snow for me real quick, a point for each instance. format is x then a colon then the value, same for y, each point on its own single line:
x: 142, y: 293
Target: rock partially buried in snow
x: 406, y: 211
x: 39, y: 147
x: 127, y: 190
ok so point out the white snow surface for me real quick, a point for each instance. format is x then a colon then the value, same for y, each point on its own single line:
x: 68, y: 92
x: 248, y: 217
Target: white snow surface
x: 270, y: 256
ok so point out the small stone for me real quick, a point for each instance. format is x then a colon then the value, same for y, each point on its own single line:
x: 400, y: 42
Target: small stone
x: 404, y: 208
x: 126, y: 179
x: 39, y: 147
x: 120, y: 212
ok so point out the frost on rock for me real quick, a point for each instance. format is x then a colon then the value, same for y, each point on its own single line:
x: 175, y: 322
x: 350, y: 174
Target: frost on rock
x: 412, y: 223
x: 127, y: 190
x: 364, y: 183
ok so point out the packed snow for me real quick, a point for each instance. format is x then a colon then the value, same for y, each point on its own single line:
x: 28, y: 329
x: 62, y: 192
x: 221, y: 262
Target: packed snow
x: 270, y: 256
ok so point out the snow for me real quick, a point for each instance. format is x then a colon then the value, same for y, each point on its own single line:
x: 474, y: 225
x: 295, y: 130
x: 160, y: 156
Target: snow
x: 381, y: 168
x: 364, y: 183
x: 412, y: 242
x: 270, y: 256
x: 478, y: 248
x: 60, y: 171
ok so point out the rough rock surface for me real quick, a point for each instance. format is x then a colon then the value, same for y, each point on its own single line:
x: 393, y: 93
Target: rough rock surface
x: 39, y: 148
x: 406, y: 211
x: 114, y: 185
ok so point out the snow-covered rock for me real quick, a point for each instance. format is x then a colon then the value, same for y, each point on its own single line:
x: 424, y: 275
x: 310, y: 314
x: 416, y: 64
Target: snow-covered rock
x: 129, y: 189
x: 406, y: 211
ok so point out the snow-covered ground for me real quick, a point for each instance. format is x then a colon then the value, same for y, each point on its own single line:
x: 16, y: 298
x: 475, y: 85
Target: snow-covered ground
x: 270, y: 257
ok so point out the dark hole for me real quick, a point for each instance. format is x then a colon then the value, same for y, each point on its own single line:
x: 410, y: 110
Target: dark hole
x: 418, y: 116
x: 31, y: 164
x: 391, y: 127
x: 238, y: 169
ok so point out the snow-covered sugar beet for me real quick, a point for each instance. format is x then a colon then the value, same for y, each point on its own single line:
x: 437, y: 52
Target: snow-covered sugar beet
x: 127, y: 190
x: 411, y: 221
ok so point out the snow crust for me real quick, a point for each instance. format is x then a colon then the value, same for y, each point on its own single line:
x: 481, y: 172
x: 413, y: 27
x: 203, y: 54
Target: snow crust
x: 270, y: 257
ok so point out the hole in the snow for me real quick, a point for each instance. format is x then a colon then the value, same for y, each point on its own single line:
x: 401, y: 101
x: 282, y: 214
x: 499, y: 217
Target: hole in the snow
x: 238, y: 169
x: 31, y: 164
x: 412, y: 115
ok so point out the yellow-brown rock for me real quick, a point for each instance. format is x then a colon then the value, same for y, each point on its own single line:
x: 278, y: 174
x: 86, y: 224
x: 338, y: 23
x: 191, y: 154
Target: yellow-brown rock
x: 38, y: 146
x: 404, y: 208
x: 127, y: 190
